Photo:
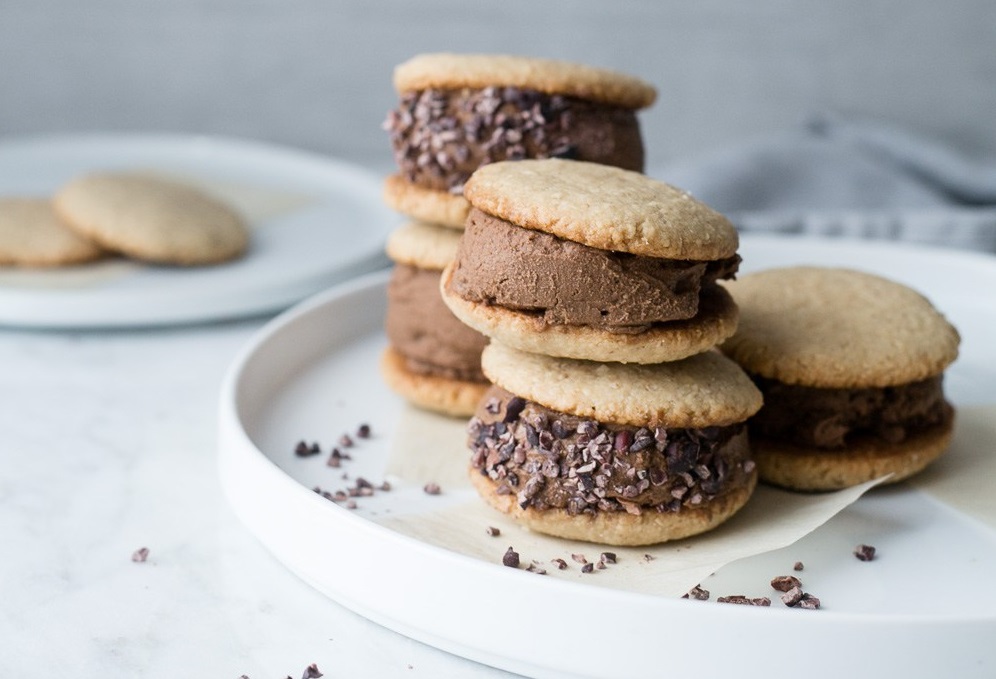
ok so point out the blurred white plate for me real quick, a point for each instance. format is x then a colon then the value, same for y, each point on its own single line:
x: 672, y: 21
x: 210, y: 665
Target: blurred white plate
x: 316, y: 221
x: 928, y: 609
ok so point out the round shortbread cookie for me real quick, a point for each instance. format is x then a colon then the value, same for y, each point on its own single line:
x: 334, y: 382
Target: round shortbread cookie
x: 426, y: 205
x: 32, y: 235
x: 704, y: 390
x: 457, y: 398
x: 455, y: 71
x: 603, y: 207
x: 426, y: 246
x: 152, y: 219
x: 619, y: 528
x: 808, y: 469
x: 823, y: 327
x: 672, y: 341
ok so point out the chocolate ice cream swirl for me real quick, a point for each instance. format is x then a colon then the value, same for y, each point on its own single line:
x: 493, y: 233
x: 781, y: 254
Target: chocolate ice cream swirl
x: 833, y: 418
x: 567, y: 283
x: 421, y: 328
x: 550, y: 459
x: 440, y: 137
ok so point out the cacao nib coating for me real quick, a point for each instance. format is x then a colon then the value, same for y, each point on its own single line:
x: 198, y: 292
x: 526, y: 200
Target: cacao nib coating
x: 440, y: 137
x: 550, y: 459
x: 833, y: 418
x: 564, y: 282
x: 421, y: 328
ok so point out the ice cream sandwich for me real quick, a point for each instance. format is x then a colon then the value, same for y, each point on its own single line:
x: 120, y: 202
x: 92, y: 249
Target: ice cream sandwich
x: 851, y: 367
x: 432, y: 359
x: 613, y: 453
x: 460, y: 111
x: 588, y: 261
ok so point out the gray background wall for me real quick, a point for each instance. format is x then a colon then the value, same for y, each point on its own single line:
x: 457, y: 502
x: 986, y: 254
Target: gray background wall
x: 317, y: 74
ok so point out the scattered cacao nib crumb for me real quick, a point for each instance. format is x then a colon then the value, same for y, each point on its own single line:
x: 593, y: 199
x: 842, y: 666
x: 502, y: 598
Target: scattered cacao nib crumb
x: 363, y: 431
x: 302, y: 449
x: 744, y: 600
x: 140, y: 555
x: 432, y: 488
x: 864, y: 552
x: 588, y: 568
x: 561, y: 564
x: 784, y: 583
x: 579, y: 558
x: 493, y: 532
x: 351, y: 504
x: 798, y: 566
x: 511, y: 558
x: 600, y: 565
x: 533, y: 568
x: 607, y: 557
x: 809, y: 601
x: 792, y: 596
x: 648, y: 557
x: 696, y: 593
x: 385, y: 486
x: 311, y: 672
x: 345, y: 441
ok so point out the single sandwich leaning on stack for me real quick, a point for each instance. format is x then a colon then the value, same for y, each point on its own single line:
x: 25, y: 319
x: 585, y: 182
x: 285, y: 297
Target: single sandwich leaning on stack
x: 851, y: 367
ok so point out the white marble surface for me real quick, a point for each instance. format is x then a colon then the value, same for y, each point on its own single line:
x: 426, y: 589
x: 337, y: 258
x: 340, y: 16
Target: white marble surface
x: 108, y: 446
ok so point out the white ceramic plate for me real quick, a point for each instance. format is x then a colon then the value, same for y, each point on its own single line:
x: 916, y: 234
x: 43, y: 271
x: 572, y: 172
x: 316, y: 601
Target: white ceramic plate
x: 928, y: 610
x: 316, y: 221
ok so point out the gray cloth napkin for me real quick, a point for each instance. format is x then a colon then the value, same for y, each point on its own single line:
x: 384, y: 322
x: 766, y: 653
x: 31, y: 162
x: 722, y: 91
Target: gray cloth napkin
x: 848, y: 178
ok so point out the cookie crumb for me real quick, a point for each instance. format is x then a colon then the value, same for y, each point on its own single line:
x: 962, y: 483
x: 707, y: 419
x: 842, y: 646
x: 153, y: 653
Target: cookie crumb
x: 140, y: 555
x: 864, y: 552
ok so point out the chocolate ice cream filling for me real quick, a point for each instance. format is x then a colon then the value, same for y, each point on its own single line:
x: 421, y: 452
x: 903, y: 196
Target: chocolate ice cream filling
x: 553, y: 460
x: 833, y: 418
x: 421, y: 328
x: 440, y: 137
x: 563, y: 282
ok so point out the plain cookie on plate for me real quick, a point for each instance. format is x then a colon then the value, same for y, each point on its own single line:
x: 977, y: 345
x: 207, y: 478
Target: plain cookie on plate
x: 152, y: 219
x: 432, y: 359
x: 582, y: 260
x: 612, y: 453
x: 851, y: 367
x: 461, y: 111
x: 32, y: 235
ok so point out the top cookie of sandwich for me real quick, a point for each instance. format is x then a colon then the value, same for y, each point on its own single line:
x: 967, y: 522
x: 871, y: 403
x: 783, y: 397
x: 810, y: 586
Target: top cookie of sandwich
x: 423, y: 245
x: 455, y: 71
x: 703, y: 390
x: 837, y: 328
x: 602, y: 207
